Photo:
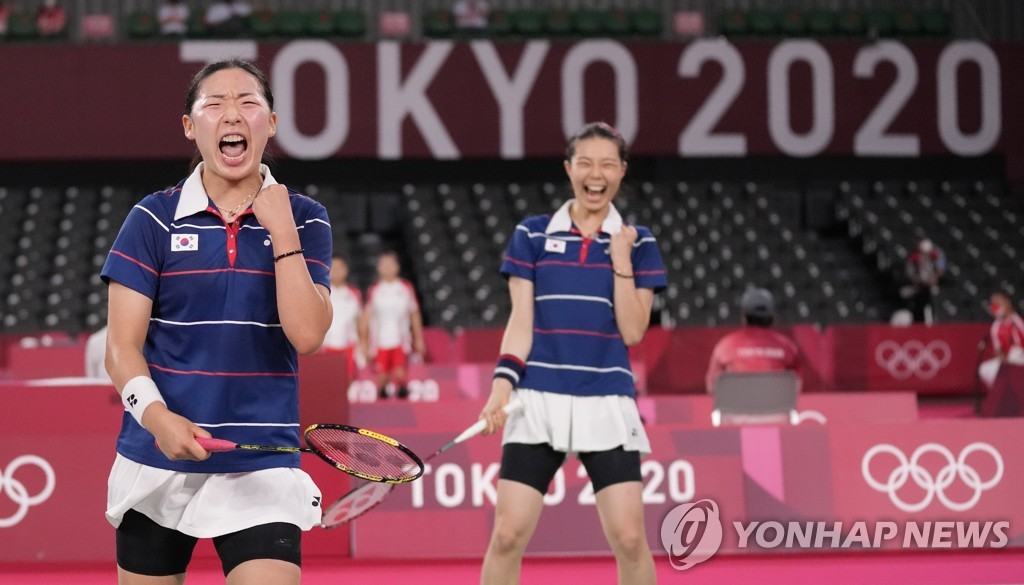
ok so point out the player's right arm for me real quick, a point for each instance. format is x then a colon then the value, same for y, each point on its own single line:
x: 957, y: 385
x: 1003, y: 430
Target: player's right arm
x: 128, y: 322
x: 517, y: 341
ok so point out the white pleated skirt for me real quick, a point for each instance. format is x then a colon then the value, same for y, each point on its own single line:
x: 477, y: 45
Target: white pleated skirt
x: 205, y: 505
x: 575, y: 424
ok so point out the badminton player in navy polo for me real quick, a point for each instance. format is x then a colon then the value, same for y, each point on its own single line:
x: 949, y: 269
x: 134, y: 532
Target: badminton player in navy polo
x: 582, y: 283
x: 215, y: 285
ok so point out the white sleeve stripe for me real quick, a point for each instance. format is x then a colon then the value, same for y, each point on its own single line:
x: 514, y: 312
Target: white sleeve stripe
x: 580, y: 368
x: 216, y: 425
x: 189, y: 323
x: 166, y: 229
x: 574, y: 298
x: 318, y: 220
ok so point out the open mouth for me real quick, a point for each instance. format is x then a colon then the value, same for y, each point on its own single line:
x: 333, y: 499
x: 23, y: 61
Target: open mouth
x: 594, y: 190
x: 233, y: 146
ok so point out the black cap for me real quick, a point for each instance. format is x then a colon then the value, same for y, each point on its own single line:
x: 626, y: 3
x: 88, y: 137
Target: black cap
x: 758, y: 302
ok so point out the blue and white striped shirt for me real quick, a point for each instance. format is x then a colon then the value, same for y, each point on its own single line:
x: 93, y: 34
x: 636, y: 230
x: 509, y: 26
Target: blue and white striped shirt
x: 577, y: 348
x: 215, y: 345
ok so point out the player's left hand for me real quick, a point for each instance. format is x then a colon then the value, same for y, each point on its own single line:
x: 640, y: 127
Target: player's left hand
x: 621, y: 246
x: 273, y: 208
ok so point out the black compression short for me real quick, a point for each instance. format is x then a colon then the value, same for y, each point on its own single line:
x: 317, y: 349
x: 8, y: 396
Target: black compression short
x: 146, y: 548
x: 536, y: 464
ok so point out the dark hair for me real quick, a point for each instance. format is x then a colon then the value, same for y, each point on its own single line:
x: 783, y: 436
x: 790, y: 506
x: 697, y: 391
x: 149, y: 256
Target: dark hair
x: 759, y: 320
x: 234, y: 63
x: 596, y: 130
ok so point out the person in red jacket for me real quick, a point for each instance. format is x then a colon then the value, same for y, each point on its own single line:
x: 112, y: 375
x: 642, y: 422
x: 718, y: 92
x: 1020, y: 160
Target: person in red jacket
x: 756, y: 347
x: 1006, y: 337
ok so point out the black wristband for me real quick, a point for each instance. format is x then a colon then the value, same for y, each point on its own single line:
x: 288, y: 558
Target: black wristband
x: 510, y: 367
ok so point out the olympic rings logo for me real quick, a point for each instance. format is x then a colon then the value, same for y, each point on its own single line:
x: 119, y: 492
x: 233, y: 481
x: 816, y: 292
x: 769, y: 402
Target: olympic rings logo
x: 933, y: 486
x: 913, y: 358
x: 17, y: 491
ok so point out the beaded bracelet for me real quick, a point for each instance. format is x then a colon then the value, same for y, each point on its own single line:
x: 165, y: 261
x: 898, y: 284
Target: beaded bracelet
x: 287, y: 254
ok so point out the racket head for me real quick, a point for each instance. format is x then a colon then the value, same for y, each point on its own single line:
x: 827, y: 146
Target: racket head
x: 364, y: 453
x: 355, y: 503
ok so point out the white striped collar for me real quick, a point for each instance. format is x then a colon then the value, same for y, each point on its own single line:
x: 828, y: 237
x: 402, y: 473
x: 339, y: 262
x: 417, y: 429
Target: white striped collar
x: 561, y: 221
x: 193, y: 194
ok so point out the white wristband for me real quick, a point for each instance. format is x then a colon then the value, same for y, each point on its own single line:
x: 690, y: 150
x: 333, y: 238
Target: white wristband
x: 138, y: 394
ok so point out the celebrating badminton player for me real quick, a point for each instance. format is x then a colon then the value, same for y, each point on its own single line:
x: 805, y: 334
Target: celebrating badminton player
x: 582, y: 283
x: 215, y: 285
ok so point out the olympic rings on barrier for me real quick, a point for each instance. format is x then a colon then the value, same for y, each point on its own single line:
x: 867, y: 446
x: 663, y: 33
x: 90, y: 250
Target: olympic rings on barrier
x: 913, y: 358
x: 17, y: 491
x: 934, y: 486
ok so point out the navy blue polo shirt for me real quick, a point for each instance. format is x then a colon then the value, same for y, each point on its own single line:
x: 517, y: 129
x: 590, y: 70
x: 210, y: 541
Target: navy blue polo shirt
x: 577, y: 348
x: 215, y: 346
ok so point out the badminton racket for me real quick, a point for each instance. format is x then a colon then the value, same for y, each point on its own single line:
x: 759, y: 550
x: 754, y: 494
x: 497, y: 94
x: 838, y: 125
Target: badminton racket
x: 367, y: 496
x: 360, y: 452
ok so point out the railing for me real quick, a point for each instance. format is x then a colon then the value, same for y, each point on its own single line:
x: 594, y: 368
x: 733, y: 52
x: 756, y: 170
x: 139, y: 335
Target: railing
x: 991, y: 20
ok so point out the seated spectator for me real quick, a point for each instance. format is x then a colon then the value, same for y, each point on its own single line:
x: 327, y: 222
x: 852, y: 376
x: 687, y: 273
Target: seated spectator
x: 227, y: 18
x: 755, y: 347
x: 1006, y: 338
x: 471, y: 16
x: 50, y: 19
x: 173, y: 16
x: 5, y: 14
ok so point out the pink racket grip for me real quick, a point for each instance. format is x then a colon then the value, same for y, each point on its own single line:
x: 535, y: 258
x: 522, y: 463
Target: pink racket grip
x: 211, y: 445
x: 216, y: 445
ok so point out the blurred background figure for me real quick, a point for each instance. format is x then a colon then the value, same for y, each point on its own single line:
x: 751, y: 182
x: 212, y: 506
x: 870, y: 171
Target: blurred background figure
x: 5, y: 15
x: 227, y: 18
x: 391, y: 326
x: 756, y: 347
x: 471, y: 16
x: 96, y: 354
x: 925, y: 268
x: 1006, y: 337
x: 51, y: 19
x: 173, y: 17
x: 343, y: 336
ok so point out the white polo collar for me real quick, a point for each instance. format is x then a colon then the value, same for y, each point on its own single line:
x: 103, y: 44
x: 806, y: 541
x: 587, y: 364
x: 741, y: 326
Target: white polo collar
x: 194, y: 197
x: 561, y: 221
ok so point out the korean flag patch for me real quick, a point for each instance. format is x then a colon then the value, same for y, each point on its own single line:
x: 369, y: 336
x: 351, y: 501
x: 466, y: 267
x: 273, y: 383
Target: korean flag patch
x: 556, y: 246
x: 184, y: 242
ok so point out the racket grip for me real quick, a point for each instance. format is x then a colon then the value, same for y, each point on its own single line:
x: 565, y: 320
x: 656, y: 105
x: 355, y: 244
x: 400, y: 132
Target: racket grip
x: 480, y: 425
x: 216, y: 445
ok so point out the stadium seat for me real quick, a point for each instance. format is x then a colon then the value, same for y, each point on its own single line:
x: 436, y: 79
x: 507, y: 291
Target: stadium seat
x: 852, y: 23
x: 907, y: 23
x: 734, y: 23
x: 320, y: 23
x: 589, y: 23
x: 764, y: 22
x: 935, y: 23
x: 438, y: 23
x: 292, y: 23
x: 500, y: 23
x: 792, y: 23
x: 879, y: 23
x: 558, y: 22
x: 262, y: 23
x: 21, y: 26
x: 646, y: 22
x: 140, y: 25
x: 822, y: 23
x: 351, y: 23
x: 617, y: 22
x: 528, y: 23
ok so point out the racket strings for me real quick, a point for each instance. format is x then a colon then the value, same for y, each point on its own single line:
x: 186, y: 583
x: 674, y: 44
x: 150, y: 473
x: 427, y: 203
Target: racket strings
x: 355, y: 503
x: 363, y: 453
